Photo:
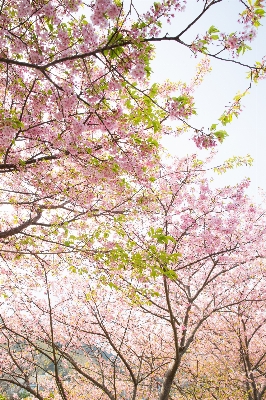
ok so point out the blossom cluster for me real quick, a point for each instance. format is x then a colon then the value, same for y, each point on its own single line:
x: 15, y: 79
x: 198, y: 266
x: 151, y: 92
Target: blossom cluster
x: 203, y: 141
x: 103, y: 8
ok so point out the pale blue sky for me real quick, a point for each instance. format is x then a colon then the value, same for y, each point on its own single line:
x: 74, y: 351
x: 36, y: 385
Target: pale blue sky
x: 247, y: 134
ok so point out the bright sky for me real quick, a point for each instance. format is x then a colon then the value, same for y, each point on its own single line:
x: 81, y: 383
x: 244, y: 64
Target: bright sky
x: 247, y: 134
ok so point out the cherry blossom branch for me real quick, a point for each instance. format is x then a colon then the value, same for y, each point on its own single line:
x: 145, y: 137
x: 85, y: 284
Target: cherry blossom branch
x: 20, y: 228
x: 75, y: 365
x: 205, y: 8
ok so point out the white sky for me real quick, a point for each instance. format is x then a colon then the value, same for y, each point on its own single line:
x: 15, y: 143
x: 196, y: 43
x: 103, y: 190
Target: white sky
x: 247, y: 134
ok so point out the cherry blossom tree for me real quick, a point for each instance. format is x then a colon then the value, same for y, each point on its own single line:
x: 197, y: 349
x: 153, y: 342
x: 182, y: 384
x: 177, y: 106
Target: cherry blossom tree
x: 111, y: 264
x: 232, y: 362
x: 175, y: 288
x: 79, y: 117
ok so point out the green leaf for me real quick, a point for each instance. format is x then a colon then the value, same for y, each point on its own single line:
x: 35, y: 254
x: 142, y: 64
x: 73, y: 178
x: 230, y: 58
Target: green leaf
x: 50, y: 26
x: 113, y: 286
x: 256, y: 24
x: 212, y: 29
x: 260, y: 11
x: 152, y: 141
x: 162, y: 239
x: 128, y: 104
x: 226, y: 119
x: 148, y: 70
x: 220, y: 135
x: 197, y: 163
x: 243, y: 47
x: 182, y: 100
x: 115, y: 53
x: 153, y: 90
x: 153, y: 273
x: 171, y: 274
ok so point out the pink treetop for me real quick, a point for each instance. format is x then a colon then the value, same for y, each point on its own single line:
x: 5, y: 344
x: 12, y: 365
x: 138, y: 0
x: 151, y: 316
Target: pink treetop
x: 80, y: 122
